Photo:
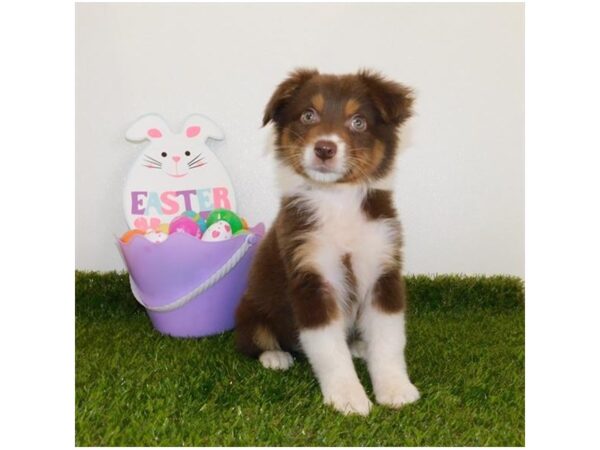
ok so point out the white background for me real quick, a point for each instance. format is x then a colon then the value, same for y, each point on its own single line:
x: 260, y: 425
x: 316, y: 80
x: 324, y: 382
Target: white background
x: 460, y: 178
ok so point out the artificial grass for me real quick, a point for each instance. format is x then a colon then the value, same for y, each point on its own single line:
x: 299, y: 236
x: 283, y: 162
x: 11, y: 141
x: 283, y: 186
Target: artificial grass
x: 135, y: 387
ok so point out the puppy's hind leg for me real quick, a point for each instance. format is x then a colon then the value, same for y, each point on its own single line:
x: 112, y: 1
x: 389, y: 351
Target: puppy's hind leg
x: 257, y: 340
x: 276, y: 359
x: 272, y: 357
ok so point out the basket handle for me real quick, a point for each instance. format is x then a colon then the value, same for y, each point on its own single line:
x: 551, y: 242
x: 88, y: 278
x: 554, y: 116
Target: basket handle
x: 224, y: 270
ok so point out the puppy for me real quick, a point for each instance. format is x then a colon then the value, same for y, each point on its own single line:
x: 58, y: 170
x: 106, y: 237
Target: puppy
x: 329, y: 269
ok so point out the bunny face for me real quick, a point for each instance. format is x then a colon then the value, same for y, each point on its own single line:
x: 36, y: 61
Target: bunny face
x: 175, y: 154
x: 178, y: 155
x: 175, y: 172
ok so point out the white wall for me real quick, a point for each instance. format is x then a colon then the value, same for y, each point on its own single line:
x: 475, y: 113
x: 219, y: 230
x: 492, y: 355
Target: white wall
x: 460, y: 183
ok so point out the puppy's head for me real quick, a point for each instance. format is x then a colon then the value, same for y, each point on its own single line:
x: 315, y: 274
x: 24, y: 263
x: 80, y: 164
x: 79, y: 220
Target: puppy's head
x: 338, y: 129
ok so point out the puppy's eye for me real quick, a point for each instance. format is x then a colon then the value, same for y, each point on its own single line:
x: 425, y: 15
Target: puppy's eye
x: 358, y: 123
x: 187, y: 153
x: 309, y: 117
x: 163, y: 154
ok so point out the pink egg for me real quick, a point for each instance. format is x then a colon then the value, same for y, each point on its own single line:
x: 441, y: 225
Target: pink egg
x: 184, y: 224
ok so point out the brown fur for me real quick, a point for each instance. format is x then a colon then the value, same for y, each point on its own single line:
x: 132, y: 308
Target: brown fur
x: 378, y: 204
x: 318, y: 102
x: 351, y: 107
x: 389, y: 292
x: 350, y: 277
x: 285, y: 294
x: 384, y: 104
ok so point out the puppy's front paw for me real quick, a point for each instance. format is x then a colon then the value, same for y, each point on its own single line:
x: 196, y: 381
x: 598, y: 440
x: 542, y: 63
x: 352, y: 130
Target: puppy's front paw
x: 348, y: 398
x: 276, y: 360
x: 397, y: 393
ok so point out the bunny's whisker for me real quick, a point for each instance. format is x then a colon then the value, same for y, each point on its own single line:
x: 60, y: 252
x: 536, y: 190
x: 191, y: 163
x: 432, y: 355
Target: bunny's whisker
x: 152, y: 159
x: 201, y: 160
x: 195, y: 158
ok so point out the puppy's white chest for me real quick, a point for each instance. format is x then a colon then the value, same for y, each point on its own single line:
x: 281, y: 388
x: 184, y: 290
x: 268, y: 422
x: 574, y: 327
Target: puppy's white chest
x: 342, y: 230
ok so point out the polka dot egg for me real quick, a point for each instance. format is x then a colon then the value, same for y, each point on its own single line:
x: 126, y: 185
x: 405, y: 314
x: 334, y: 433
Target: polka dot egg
x: 218, y: 231
x: 156, y: 236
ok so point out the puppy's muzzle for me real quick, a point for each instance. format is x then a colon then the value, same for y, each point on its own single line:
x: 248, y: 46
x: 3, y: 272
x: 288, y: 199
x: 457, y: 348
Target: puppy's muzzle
x: 325, y: 150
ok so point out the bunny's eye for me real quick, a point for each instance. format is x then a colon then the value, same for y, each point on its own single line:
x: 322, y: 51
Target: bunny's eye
x: 187, y: 153
x: 163, y: 154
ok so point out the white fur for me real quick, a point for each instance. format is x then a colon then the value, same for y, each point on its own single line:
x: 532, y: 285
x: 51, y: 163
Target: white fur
x: 386, y: 183
x: 330, y: 358
x: 276, y: 360
x: 323, y: 177
x: 358, y: 349
x: 342, y: 228
x: 287, y: 179
x: 337, y: 165
x: 385, y: 339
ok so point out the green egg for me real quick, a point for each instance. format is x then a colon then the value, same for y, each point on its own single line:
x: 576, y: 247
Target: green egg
x: 228, y: 216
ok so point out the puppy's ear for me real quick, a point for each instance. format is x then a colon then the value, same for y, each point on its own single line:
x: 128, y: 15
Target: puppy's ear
x: 393, y: 100
x: 284, y: 92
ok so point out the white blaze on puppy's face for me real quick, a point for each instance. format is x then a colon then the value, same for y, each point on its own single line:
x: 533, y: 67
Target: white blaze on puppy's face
x: 330, y: 170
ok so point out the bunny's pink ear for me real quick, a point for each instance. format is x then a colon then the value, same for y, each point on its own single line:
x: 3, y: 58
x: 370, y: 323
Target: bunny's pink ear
x: 192, y: 131
x: 201, y: 127
x: 148, y: 127
x: 154, y: 133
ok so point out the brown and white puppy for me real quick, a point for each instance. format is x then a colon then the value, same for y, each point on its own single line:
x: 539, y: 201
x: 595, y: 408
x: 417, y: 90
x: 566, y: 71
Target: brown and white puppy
x: 330, y: 267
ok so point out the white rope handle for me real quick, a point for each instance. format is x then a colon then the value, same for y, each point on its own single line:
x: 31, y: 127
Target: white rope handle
x: 224, y: 270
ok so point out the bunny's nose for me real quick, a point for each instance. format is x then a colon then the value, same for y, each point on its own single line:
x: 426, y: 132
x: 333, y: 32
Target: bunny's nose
x: 176, y: 158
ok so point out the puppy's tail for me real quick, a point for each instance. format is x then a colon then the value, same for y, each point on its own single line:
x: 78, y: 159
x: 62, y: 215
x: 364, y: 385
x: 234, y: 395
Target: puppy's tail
x: 253, y: 336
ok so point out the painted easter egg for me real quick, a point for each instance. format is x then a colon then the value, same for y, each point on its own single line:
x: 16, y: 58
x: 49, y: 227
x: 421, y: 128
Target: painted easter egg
x: 226, y: 215
x: 196, y: 217
x: 128, y: 236
x: 218, y: 231
x: 202, y: 224
x: 192, y: 215
x: 163, y: 228
x: 156, y: 236
x: 183, y: 224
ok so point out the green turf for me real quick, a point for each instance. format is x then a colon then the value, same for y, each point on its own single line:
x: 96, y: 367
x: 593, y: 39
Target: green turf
x: 135, y: 387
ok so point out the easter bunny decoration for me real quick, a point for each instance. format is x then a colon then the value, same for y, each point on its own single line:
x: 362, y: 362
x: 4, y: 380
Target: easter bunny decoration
x: 175, y: 172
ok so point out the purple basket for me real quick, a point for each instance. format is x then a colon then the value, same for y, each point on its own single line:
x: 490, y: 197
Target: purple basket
x: 190, y: 288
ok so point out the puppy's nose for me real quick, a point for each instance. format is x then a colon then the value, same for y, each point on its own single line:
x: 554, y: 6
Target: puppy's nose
x: 176, y: 158
x: 325, y: 149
